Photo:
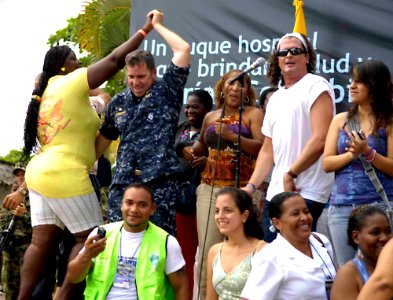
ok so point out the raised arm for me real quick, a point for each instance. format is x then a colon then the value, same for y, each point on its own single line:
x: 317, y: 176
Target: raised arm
x: 181, y: 49
x: 108, y: 66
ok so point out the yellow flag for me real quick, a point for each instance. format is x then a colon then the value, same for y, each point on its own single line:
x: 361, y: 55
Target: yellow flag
x: 300, y: 21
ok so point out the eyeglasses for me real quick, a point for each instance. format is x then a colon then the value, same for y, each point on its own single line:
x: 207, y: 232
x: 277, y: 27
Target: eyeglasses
x: 294, y: 51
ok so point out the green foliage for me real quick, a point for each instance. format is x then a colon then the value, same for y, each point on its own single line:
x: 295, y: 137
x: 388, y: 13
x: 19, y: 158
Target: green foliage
x: 101, y: 27
x: 15, y: 156
x: 116, y: 84
x: 69, y: 34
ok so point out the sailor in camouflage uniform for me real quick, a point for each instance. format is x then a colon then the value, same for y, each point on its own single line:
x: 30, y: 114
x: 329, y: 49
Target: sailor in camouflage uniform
x: 145, y: 115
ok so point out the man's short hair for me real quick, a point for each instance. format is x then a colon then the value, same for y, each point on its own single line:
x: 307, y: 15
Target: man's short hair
x: 139, y: 185
x: 138, y: 57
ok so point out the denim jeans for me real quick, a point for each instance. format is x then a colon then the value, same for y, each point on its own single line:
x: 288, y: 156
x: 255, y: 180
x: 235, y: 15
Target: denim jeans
x: 338, y: 222
x: 314, y: 207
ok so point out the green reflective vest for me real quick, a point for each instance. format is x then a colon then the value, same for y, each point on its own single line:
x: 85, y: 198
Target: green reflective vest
x: 151, y: 281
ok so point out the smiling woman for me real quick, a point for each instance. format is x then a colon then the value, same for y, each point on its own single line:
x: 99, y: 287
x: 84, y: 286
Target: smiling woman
x: 220, y: 140
x: 368, y: 232
x: 298, y: 262
x: 229, y: 262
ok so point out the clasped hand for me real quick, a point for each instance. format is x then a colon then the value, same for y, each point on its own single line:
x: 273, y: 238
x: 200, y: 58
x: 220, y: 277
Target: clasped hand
x: 220, y: 128
x: 357, y: 144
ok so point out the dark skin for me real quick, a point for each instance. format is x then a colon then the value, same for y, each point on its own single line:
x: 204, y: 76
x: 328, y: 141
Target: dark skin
x: 370, y: 238
x: 195, y: 113
x: 47, y: 237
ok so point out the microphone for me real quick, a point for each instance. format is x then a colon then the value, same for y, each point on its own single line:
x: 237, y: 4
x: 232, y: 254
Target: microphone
x: 258, y: 63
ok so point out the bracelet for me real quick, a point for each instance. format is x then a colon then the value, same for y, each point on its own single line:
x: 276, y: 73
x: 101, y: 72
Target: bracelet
x: 373, y: 157
x: 367, y: 154
x: 253, y: 187
x: 141, y: 31
x: 290, y: 173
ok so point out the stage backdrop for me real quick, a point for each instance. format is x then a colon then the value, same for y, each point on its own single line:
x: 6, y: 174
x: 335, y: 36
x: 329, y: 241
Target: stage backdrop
x: 233, y: 34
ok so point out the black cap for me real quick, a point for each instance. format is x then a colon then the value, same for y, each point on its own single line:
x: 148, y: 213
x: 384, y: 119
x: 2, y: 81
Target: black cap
x: 17, y: 169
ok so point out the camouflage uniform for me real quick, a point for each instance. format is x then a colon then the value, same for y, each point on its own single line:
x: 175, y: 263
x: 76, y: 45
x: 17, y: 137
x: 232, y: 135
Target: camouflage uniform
x: 147, y: 128
x: 12, y: 260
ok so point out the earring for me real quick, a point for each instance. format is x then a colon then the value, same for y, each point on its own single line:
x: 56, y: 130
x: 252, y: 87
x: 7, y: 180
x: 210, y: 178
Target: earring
x: 248, y: 100
x: 62, y: 69
x: 272, y: 228
x: 222, y: 95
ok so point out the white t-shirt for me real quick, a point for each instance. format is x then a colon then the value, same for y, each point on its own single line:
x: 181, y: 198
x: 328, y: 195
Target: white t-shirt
x: 281, y: 272
x: 128, y: 256
x: 287, y: 122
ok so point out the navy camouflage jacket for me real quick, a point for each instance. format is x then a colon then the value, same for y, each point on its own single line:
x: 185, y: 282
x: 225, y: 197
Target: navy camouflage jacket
x: 147, y: 128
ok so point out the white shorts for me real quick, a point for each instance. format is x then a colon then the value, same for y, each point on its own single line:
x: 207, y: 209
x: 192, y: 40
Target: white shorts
x: 78, y: 213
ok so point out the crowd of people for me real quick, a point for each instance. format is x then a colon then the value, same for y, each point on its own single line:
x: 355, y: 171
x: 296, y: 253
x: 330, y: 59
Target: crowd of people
x: 224, y: 205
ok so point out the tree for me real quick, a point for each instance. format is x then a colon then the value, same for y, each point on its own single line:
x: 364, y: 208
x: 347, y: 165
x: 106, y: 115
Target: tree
x: 15, y: 156
x: 101, y: 27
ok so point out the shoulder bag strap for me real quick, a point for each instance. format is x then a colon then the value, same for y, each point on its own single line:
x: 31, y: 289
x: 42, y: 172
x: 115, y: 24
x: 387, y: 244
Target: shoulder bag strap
x: 369, y: 169
x: 317, y: 238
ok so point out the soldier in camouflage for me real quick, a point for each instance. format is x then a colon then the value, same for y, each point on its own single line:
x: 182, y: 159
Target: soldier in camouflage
x: 13, y: 257
x: 145, y: 116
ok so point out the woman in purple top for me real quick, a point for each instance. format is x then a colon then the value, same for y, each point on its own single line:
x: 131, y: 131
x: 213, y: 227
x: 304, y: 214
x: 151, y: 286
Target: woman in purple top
x: 371, y: 92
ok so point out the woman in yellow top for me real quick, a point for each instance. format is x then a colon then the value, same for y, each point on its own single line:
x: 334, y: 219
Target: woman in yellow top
x: 61, y: 118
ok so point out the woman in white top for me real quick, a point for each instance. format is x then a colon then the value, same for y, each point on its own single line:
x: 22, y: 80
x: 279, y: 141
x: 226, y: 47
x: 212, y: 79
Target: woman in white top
x: 298, y: 263
x: 229, y: 262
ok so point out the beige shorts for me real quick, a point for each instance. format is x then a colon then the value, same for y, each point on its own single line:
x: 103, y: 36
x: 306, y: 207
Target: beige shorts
x: 78, y: 213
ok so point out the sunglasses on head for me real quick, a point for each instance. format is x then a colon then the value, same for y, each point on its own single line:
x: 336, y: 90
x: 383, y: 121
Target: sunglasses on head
x: 294, y: 51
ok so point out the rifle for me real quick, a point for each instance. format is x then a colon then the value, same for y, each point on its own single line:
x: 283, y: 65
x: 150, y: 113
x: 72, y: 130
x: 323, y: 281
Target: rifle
x: 6, y: 236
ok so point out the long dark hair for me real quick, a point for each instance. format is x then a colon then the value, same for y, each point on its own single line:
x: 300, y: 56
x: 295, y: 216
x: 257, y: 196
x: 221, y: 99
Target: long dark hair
x: 243, y: 201
x: 54, y: 61
x: 376, y: 76
x: 274, y: 71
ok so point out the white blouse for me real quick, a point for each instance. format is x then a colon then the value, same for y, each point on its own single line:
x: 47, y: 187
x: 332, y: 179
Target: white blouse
x: 280, y: 271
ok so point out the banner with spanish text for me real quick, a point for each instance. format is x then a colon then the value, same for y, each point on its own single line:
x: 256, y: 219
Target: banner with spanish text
x: 232, y: 34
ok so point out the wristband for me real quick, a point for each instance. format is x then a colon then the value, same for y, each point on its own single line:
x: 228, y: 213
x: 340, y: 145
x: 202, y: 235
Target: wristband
x: 367, y: 154
x: 373, y: 157
x: 141, y: 31
x: 252, y: 186
x: 290, y: 173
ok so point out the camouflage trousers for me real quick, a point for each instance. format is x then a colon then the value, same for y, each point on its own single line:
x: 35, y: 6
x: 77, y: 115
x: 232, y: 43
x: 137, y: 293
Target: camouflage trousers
x: 10, y: 271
